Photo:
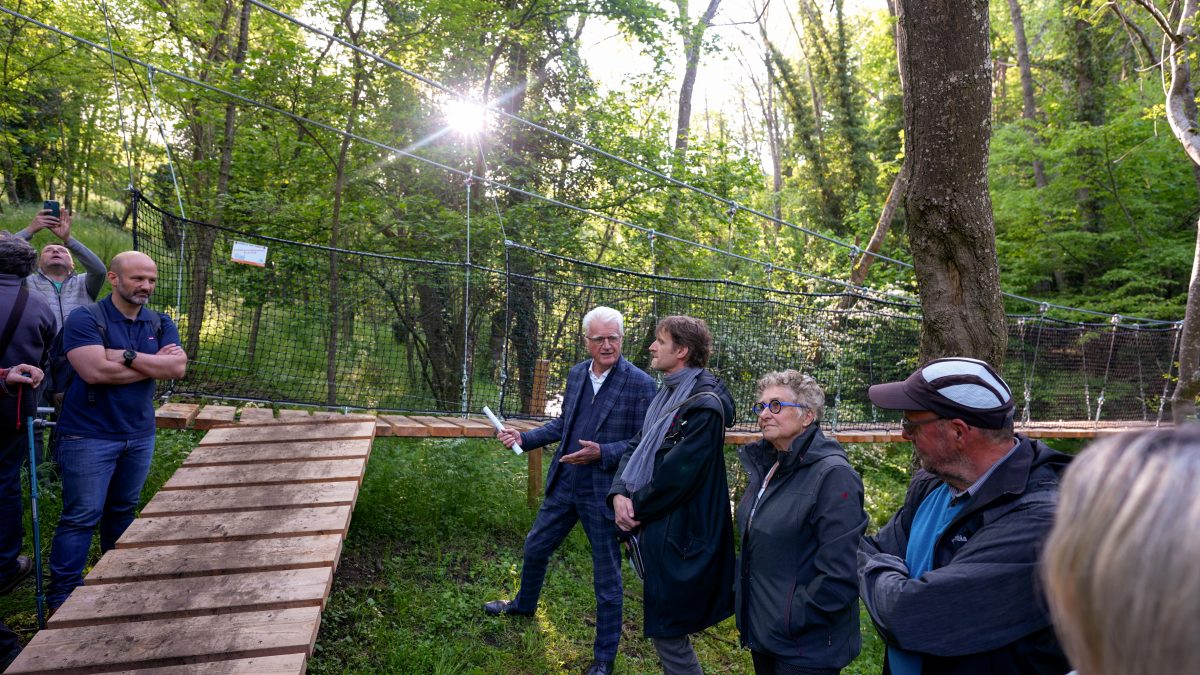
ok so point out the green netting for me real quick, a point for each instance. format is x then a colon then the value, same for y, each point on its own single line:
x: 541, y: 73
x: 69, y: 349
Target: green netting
x: 407, y: 335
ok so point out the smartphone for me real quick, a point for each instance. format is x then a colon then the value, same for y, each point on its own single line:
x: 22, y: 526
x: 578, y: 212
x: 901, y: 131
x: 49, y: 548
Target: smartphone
x: 52, y: 206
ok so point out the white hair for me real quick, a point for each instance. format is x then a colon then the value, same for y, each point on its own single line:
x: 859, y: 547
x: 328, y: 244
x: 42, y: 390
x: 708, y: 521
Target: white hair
x: 603, y: 313
x: 1122, y: 563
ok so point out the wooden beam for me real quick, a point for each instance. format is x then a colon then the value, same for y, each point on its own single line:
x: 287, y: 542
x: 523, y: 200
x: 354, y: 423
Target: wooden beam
x: 288, y: 451
x: 253, y: 498
x: 266, y: 473
x: 241, y: 526
x: 319, y: 430
x: 170, y: 642
x: 176, y: 415
x: 195, y: 596
x: 438, y: 427
x: 225, y: 557
x: 212, y: 416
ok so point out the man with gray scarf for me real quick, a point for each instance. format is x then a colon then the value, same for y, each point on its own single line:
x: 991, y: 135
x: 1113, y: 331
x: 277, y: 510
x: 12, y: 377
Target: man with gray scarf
x: 671, y: 492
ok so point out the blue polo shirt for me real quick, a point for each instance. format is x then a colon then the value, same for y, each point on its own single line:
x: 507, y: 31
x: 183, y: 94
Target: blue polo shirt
x: 120, y: 412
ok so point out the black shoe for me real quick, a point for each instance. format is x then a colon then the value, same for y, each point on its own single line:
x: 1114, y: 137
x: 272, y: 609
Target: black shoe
x: 498, y: 607
x: 24, y: 567
x: 599, y: 668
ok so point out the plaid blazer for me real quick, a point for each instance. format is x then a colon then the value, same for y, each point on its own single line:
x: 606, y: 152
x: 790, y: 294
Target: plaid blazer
x: 618, y: 419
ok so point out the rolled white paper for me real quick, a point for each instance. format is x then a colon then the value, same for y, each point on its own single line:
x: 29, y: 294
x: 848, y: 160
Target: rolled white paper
x: 516, y: 448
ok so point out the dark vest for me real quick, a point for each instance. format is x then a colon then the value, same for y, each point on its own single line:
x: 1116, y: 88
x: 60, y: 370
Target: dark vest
x: 575, y: 477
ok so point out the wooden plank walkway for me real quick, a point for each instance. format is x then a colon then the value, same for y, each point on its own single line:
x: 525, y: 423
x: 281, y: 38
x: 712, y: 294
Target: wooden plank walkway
x: 228, y: 567
x: 197, y: 416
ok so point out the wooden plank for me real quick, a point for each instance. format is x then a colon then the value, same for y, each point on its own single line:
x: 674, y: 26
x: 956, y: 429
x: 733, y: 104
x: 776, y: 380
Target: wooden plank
x: 278, y: 433
x: 256, y: 415
x: 523, y: 425
x: 211, y: 416
x: 382, y: 428
x: 438, y: 427
x: 288, y: 664
x: 170, y: 642
x: 176, y: 415
x: 267, y: 473
x: 403, y: 426
x: 292, y: 415
x: 245, y: 525
x: 742, y: 437
x: 473, y: 428
x: 195, y: 596
x: 288, y: 451
x: 254, y: 498
x: 192, y: 560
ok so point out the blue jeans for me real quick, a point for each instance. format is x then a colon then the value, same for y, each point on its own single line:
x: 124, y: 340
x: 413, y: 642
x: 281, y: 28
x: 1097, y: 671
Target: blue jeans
x: 102, y: 484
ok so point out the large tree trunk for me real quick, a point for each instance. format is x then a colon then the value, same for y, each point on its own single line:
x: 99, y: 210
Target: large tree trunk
x: 1182, y: 114
x: 945, y: 60
x: 1029, y: 103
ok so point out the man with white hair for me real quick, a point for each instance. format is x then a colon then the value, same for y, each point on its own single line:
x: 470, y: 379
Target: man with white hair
x: 56, y: 279
x: 951, y: 580
x: 603, y: 408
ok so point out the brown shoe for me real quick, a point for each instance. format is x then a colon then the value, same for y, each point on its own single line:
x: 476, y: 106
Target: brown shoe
x: 24, y: 568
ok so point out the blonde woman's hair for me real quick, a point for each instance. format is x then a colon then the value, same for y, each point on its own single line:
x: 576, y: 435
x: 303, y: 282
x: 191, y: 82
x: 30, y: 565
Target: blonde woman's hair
x: 808, y: 393
x: 1122, y: 562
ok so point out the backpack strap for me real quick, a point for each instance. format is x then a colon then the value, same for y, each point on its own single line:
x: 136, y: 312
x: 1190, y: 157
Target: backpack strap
x: 14, y: 317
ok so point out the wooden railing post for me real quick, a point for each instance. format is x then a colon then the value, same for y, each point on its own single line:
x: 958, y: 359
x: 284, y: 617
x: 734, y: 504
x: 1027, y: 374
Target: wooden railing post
x: 537, y: 406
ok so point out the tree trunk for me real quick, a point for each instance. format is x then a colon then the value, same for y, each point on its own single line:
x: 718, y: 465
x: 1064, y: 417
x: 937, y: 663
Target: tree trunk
x: 1089, y: 109
x: 945, y: 58
x: 1181, y: 114
x: 201, y: 244
x: 1029, y: 107
x: 882, y: 226
x: 693, y: 39
x: 339, y: 189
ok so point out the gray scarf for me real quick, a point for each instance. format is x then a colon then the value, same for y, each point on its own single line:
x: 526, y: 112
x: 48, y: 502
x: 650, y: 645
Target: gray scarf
x: 676, y: 388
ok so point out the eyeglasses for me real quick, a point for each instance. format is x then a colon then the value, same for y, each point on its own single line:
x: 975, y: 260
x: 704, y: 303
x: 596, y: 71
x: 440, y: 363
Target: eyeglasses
x: 604, y: 339
x: 774, y: 405
x: 909, y: 426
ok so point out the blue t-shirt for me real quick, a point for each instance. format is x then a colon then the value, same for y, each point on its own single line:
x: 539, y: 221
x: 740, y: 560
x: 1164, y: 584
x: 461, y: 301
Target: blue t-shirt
x: 120, y: 412
x: 933, y: 515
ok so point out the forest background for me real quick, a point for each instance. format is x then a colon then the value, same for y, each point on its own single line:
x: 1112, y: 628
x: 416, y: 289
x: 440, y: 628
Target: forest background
x: 1094, y: 205
x: 1093, y: 198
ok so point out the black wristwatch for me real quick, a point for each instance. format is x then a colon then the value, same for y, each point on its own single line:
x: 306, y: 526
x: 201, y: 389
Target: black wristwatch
x: 130, y: 355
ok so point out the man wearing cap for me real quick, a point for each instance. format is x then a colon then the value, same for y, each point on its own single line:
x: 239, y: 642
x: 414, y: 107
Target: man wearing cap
x: 951, y: 580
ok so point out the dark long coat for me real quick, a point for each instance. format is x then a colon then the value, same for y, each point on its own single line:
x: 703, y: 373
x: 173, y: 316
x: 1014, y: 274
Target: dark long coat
x: 687, y: 530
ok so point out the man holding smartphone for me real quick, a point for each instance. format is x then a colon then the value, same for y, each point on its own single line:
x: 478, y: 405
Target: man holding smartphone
x: 56, y: 280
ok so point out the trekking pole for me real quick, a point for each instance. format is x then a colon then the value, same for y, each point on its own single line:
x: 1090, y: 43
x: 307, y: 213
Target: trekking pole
x: 37, y: 530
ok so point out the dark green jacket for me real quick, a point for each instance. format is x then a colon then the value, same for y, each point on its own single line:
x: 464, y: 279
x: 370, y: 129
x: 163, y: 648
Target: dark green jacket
x: 687, y: 532
x: 797, y: 589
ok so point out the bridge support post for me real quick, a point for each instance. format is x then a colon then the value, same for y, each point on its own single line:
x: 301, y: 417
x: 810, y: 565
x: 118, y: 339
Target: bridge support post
x: 537, y: 406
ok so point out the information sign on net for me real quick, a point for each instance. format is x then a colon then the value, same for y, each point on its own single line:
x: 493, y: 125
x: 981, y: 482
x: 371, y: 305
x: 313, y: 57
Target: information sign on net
x: 248, y: 254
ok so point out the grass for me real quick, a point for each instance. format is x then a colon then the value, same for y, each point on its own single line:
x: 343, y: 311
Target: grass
x: 437, y: 531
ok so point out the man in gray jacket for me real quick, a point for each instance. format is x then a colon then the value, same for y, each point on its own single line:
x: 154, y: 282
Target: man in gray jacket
x: 56, y: 280
x: 951, y: 581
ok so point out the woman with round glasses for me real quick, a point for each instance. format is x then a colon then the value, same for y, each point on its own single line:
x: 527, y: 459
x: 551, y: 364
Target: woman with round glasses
x: 800, y: 521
